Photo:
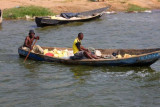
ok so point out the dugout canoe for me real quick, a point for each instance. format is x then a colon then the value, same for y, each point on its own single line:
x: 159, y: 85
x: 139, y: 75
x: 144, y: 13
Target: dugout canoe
x: 1, y: 16
x: 142, y: 57
x: 85, y: 16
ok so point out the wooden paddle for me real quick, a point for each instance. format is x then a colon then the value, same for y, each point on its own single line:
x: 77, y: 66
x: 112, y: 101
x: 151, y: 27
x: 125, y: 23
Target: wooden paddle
x: 30, y: 51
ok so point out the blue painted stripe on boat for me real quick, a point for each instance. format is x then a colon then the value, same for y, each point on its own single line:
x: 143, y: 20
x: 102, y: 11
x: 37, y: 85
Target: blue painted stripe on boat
x: 146, y: 59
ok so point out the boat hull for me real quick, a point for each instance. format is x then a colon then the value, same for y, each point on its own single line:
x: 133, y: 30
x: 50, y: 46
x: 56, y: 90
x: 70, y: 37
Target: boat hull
x: 1, y: 16
x: 141, y: 60
x: 93, y: 14
x: 41, y: 21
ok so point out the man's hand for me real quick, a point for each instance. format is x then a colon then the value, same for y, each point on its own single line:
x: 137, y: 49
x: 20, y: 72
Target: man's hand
x: 86, y: 49
x: 37, y: 37
x: 30, y: 47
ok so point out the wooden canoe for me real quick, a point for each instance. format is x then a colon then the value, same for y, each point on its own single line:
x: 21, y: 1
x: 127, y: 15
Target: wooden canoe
x: 142, y: 57
x: 1, y: 16
x: 87, y: 16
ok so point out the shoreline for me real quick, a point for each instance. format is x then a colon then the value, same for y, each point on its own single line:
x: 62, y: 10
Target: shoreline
x: 59, y: 6
x: 29, y: 18
x: 75, y: 6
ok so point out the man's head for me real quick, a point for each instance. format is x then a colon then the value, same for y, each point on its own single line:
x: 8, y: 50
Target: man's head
x: 80, y: 36
x: 31, y: 33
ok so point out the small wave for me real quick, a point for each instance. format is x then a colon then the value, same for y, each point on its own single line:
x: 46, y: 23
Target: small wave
x: 141, y: 74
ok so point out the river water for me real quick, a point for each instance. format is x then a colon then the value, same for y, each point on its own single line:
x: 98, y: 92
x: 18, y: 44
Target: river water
x: 42, y: 84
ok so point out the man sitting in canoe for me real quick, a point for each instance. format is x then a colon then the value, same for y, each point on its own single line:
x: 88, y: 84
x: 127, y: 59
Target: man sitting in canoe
x: 29, y: 41
x: 79, y: 51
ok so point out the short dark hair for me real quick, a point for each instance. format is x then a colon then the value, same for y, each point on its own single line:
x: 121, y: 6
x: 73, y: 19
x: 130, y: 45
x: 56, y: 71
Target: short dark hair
x: 31, y: 31
x: 79, y: 34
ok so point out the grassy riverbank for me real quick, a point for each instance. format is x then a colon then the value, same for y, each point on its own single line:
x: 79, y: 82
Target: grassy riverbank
x: 59, y: 6
x: 21, y: 12
x: 132, y: 8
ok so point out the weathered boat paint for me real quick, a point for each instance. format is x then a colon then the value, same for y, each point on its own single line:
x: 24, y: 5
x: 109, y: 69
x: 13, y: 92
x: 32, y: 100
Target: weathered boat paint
x: 139, y: 60
x: 41, y: 22
x: 1, y: 13
x: 46, y: 21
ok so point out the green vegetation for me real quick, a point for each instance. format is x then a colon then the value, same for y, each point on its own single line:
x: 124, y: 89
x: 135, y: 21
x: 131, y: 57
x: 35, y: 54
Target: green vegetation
x: 68, y: 0
x: 123, y: 1
x: 21, y: 12
x: 93, y: 0
x: 133, y: 7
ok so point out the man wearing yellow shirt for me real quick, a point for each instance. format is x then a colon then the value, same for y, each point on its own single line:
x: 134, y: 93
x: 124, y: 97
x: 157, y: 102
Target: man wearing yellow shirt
x: 79, y: 51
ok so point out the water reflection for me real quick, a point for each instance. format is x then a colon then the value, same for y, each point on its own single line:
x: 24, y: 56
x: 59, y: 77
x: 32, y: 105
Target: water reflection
x: 126, y: 69
x: 31, y: 66
x: 83, y: 73
x: 0, y: 26
x: 80, y: 70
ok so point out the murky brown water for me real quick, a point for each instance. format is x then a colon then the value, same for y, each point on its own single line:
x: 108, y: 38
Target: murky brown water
x: 41, y: 84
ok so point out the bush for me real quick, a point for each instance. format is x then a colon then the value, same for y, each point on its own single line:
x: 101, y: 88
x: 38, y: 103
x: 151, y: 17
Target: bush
x: 133, y: 7
x: 93, y: 0
x: 21, y: 12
